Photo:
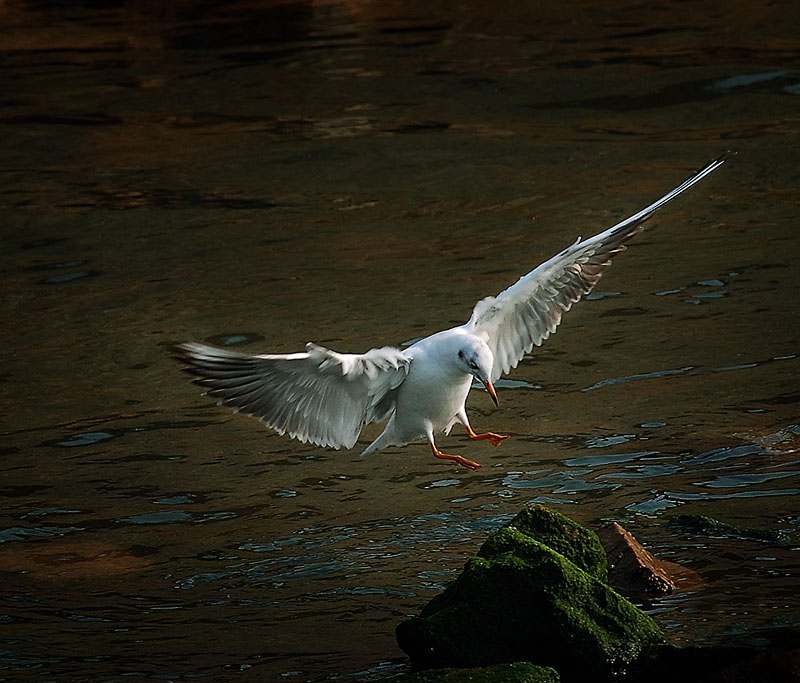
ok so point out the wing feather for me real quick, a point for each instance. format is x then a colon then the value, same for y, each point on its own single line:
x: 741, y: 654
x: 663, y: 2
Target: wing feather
x: 319, y: 396
x: 528, y: 312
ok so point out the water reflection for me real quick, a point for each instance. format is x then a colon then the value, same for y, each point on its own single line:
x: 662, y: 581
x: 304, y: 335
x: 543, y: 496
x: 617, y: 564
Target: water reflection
x: 360, y: 550
x: 689, y: 369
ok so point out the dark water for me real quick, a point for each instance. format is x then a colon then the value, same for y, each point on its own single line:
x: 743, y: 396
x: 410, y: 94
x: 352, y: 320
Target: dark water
x: 262, y: 174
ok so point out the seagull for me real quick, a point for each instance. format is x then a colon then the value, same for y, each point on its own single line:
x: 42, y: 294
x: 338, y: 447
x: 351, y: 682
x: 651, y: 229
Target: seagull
x: 323, y: 397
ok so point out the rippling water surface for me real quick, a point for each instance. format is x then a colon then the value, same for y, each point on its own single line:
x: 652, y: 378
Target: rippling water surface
x: 262, y: 174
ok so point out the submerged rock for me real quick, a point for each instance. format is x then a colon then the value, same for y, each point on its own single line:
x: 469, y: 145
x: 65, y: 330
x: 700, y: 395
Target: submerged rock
x: 519, y: 672
x: 713, y: 527
x: 535, y: 592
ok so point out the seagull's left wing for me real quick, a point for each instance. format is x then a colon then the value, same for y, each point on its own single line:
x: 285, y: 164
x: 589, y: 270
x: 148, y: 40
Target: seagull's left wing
x: 529, y: 311
x: 319, y: 396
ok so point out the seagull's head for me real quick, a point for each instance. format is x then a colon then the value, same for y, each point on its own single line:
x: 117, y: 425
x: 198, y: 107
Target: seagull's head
x: 476, y: 358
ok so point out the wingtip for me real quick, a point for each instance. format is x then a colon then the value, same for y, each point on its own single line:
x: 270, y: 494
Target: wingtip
x: 182, y: 351
x: 192, y: 358
x: 178, y: 350
x: 727, y: 154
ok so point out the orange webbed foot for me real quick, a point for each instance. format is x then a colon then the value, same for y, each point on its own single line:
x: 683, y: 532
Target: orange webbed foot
x: 491, y: 437
x: 469, y: 464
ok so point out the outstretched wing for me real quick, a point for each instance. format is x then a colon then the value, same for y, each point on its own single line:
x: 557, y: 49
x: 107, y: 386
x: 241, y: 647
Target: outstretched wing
x: 319, y: 396
x: 529, y: 311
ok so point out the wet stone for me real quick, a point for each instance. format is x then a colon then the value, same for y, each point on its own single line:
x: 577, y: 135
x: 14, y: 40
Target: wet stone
x: 520, y: 599
x: 575, y: 542
x: 633, y: 570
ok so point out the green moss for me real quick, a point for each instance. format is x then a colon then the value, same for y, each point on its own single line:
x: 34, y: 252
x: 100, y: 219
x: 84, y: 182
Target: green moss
x: 518, y: 672
x: 520, y: 600
x: 713, y: 527
x: 578, y: 544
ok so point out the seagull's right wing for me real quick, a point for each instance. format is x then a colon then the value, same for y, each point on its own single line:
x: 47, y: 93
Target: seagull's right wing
x: 530, y: 310
x: 319, y: 396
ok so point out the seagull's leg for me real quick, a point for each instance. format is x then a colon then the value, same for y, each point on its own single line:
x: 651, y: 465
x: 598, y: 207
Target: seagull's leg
x: 446, y: 456
x: 469, y: 464
x: 491, y: 437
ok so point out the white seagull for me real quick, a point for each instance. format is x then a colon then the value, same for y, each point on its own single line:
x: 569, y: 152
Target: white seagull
x: 324, y: 397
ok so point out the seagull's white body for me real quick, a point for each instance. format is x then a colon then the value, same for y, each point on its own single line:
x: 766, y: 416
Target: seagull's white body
x: 324, y: 397
x: 433, y: 395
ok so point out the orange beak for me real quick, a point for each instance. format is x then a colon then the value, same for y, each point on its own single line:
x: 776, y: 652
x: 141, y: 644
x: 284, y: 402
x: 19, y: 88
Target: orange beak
x: 490, y: 389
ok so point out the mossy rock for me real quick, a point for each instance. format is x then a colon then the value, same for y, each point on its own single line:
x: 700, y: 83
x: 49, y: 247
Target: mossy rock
x: 518, y: 672
x: 558, y: 532
x: 713, y: 527
x: 520, y: 600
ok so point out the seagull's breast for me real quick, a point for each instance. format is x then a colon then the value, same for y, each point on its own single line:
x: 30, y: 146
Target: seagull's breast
x: 431, y: 395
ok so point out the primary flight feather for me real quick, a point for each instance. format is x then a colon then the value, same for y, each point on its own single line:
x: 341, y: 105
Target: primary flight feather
x: 324, y: 397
